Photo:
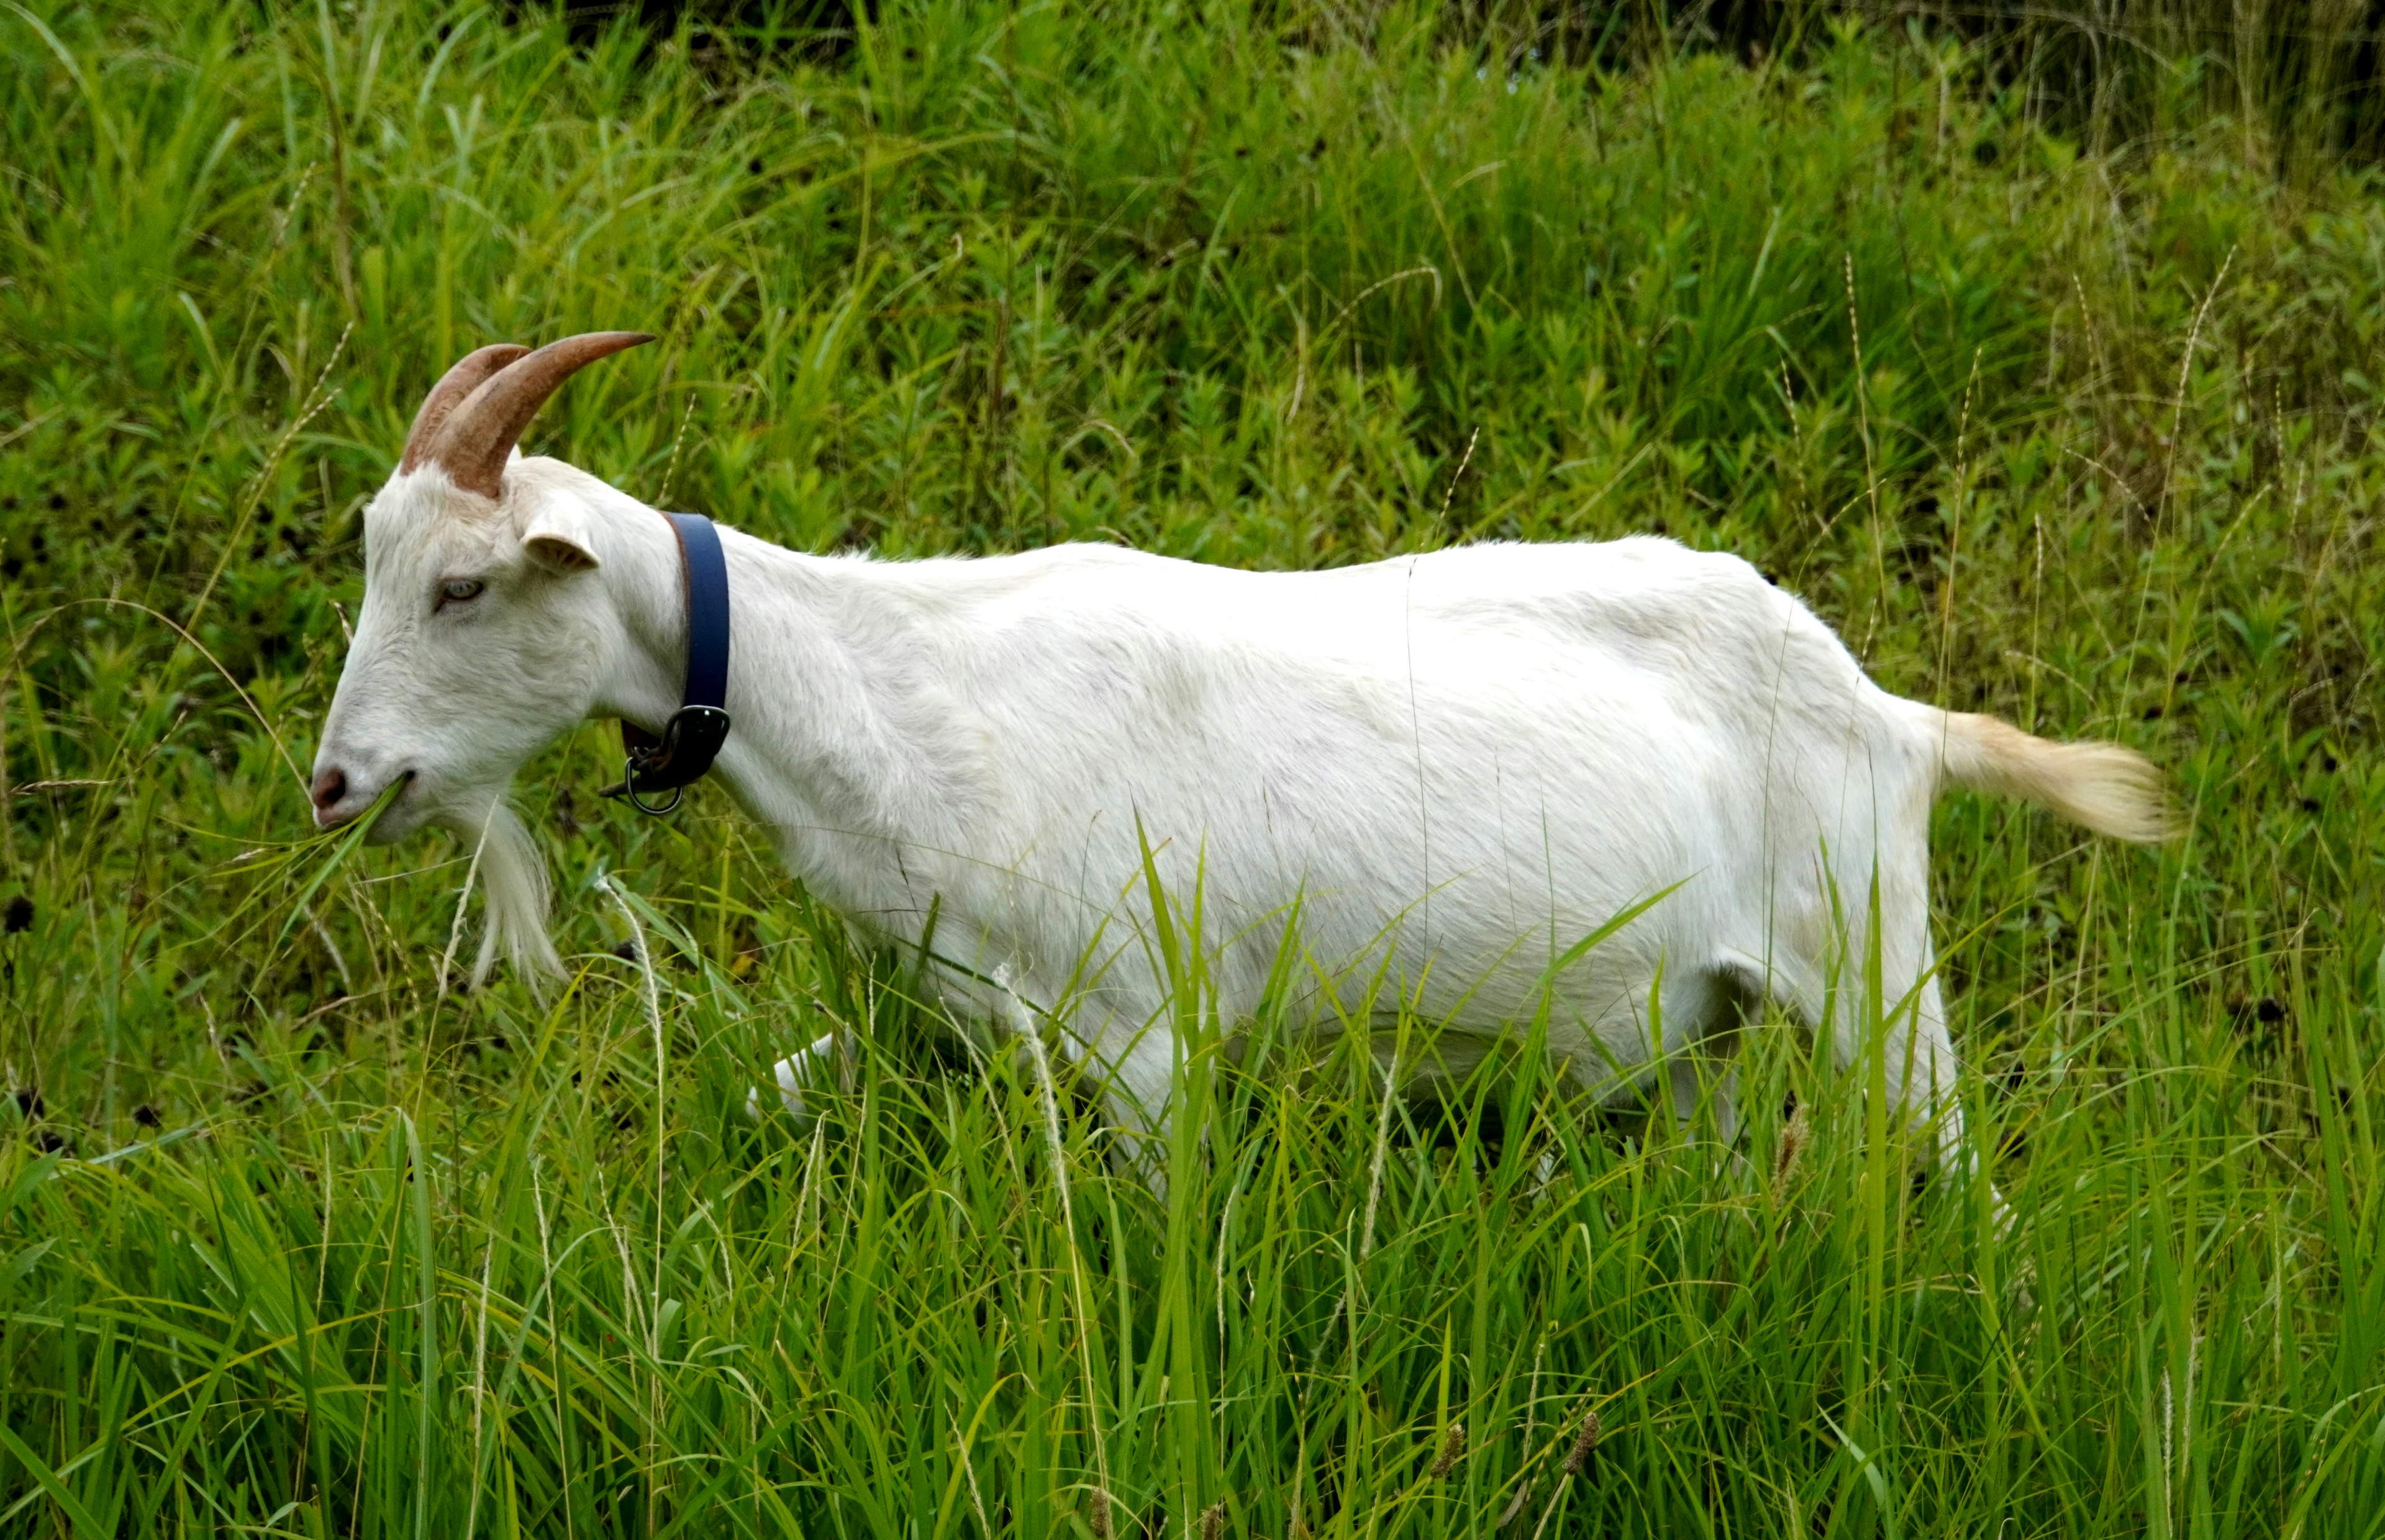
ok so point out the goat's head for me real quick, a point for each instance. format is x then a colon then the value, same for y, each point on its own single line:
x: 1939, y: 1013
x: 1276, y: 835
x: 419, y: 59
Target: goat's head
x: 481, y: 632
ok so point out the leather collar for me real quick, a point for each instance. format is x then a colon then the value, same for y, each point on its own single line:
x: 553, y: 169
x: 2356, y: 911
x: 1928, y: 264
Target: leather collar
x: 693, y: 735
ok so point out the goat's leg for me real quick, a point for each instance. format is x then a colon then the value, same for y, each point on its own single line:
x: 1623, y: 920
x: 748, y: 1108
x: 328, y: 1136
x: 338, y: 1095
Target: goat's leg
x: 1920, y: 1066
x: 1933, y: 1093
x: 1706, y: 1066
x: 1132, y: 1063
x: 1699, y: 1071
x: 796, y: 1075
x: 1703, y: 1010
x: 1919, y: 1063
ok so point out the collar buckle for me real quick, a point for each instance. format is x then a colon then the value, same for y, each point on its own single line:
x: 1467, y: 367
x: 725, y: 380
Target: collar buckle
x: 676, y: 760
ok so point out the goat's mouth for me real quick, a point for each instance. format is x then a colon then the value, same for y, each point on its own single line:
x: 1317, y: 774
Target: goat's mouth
x: 387, y: 809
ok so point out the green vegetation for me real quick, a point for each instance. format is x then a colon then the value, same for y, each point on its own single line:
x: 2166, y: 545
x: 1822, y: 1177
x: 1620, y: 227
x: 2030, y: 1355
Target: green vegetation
x: 2079, y: 428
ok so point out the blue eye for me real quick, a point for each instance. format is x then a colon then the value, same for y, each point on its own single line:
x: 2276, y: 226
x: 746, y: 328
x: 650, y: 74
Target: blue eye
x: 455, y: 590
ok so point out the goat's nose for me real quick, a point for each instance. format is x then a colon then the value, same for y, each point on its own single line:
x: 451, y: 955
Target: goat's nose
x: 329, y: 786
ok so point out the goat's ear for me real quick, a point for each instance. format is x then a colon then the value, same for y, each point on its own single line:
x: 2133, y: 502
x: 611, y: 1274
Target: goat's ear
x: 556, y: 539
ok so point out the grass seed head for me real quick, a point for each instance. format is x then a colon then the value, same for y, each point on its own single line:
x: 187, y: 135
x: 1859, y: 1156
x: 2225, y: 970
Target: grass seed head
x: 1453, y: 1449
x: 1795, y: 1136
x: 1585, y: 1444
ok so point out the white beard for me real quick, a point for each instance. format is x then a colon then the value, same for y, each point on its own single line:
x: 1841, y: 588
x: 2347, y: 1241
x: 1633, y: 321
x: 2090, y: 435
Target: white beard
x: 513, y: 878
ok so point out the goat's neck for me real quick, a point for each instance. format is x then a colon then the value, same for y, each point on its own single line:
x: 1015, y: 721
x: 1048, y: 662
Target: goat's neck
x: 843, y: 740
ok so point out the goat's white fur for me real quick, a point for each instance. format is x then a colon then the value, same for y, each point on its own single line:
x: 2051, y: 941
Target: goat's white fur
x: 1450, y: 766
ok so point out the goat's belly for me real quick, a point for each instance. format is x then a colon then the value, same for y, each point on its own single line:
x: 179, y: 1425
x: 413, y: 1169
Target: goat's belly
x: 1458, y: 883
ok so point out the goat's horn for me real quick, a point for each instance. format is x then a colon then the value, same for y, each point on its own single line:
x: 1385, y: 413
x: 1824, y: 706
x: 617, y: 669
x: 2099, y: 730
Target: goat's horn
x: 458, y: 382
x: 480, y: 433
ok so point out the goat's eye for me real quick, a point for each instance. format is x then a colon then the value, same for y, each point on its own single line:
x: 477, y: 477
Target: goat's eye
x: 455, y: 590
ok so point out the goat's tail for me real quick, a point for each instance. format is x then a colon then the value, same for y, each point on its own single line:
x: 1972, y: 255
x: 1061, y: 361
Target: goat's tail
x: 2109, y: 789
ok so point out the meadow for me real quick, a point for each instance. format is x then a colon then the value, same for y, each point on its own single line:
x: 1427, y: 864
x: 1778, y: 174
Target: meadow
x: 299, y: 1237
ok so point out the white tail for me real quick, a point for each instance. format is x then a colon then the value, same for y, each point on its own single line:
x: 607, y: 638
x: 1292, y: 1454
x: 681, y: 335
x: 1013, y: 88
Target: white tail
x: 2109, y: 789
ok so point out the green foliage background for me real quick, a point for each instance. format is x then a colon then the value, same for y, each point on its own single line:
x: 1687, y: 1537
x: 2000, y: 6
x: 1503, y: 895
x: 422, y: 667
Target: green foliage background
x: 2076, y: 428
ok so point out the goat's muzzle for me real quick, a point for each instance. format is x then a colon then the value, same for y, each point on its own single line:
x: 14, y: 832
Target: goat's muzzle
x: 338, y: 799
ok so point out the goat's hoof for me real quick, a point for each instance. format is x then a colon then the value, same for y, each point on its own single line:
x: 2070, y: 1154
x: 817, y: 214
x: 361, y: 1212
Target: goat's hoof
x: 792, y: 1074
x: 790, y: 1099
x: 795, y: 1074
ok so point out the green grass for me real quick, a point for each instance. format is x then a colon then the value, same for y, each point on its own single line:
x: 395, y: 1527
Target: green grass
x: 292, y: 1242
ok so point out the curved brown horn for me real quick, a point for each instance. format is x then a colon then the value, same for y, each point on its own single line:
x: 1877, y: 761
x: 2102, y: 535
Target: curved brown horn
x: 468, y: 375
x: 478, y: 434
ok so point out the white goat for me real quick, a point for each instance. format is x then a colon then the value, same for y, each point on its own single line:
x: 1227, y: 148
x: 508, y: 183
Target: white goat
x: 1449, y: 767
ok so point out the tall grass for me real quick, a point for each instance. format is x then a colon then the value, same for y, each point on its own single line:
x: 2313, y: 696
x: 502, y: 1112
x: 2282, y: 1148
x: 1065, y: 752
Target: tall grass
x: 296, y: 1238
x: 2294, y: 82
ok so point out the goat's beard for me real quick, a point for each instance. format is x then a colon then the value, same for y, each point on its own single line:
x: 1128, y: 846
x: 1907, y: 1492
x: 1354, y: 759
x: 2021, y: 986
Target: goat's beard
x: 513, y: 880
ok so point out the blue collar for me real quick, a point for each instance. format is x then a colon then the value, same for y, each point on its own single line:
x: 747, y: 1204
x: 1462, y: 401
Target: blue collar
x: 695, y: 733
